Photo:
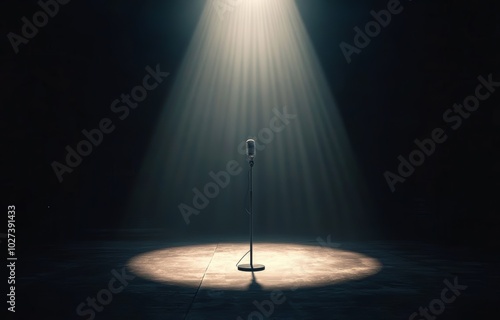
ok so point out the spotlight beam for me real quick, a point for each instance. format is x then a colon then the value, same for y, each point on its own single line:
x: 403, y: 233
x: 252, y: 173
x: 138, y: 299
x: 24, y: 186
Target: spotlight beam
x: 235, y: 73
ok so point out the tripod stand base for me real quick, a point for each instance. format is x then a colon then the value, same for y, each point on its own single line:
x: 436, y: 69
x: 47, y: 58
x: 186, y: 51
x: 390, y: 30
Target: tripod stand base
x: 248, y: 267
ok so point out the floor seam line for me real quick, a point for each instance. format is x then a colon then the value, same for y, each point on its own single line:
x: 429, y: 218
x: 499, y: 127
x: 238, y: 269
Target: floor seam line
x: 201, y: 282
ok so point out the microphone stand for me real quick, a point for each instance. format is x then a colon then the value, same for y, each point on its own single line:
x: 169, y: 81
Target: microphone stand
x: 251, y: 266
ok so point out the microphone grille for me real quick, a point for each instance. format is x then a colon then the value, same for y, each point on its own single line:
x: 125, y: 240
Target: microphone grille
x: 251, y: 148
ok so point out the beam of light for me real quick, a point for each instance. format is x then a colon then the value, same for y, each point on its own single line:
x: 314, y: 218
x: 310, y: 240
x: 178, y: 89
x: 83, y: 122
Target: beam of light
x: 237, y: 73
x: 289, y: 266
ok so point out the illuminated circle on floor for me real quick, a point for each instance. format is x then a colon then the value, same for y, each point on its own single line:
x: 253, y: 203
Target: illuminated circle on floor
x: 289, y: 266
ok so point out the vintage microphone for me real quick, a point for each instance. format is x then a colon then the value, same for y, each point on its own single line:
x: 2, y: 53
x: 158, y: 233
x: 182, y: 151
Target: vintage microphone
x: 251, y: 156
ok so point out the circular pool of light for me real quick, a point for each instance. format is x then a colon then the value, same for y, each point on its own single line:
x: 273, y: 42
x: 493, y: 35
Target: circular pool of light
x: 289, y: 266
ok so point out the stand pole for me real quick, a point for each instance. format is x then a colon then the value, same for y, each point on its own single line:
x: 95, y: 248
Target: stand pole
x: 251, y: 214
x: 251, y: 266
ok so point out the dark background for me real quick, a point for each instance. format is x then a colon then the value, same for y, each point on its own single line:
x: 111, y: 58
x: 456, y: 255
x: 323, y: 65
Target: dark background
x: 395, y: 91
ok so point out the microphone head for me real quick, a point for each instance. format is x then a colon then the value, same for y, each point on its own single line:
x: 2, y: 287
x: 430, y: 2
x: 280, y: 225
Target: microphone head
x: 250, y: 148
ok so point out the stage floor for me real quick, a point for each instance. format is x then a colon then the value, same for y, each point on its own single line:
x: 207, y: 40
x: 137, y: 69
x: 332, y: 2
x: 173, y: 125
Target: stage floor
x: 304, y: 279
